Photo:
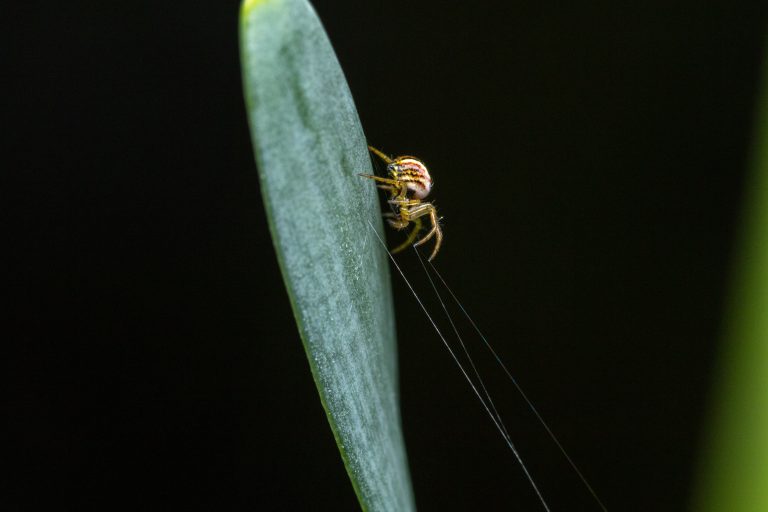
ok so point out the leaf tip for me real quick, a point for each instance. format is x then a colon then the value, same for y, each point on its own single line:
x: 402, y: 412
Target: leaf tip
x: 247, y: 5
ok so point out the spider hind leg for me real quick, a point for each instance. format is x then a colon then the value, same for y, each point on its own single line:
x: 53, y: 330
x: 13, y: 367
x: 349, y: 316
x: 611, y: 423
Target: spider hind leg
x: 428, y: 209
x: 411, y: 237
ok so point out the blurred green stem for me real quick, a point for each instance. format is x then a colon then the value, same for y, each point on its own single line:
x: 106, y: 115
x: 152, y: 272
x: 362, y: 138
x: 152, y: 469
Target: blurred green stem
x: 734, y: 472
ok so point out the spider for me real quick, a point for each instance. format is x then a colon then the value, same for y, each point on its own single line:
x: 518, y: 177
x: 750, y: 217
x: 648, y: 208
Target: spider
x: 408, y: 175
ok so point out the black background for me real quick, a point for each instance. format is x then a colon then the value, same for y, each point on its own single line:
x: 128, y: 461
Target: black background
x: 588, y: 161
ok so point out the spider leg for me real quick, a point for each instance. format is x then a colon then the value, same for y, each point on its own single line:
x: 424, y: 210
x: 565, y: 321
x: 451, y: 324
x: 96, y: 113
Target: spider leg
x: 411, y: 237
x: 397, y: 223
x: 398, y: 189
x: 388, y: 181
x: 380, y: 154
x: 404, y: 202
x: 420, y: 211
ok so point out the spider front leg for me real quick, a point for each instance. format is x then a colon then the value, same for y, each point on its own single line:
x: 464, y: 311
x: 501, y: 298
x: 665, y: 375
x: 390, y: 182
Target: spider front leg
x: 380, y: 154
x: 397, y: 188
x: 389, y: 182
x: 413, y: 213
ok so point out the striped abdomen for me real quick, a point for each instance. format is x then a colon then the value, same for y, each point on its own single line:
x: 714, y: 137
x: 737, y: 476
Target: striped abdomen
x: 414, y: 173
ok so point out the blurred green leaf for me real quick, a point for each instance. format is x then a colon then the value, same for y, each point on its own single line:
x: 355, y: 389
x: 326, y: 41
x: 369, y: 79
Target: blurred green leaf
x: 734, y: 472
x: 309, y: 147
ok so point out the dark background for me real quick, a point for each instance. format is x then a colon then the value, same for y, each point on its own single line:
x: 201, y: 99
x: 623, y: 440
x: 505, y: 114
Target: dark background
x: 588, y: 162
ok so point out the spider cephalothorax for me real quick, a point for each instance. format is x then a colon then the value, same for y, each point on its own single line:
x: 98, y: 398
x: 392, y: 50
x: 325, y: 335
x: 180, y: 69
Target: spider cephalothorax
x: 409, y: 182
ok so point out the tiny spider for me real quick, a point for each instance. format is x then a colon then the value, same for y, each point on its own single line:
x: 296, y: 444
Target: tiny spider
x: 408, y: 175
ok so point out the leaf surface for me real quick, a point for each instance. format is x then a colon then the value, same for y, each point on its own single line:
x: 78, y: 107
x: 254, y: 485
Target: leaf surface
x: 309, y: 147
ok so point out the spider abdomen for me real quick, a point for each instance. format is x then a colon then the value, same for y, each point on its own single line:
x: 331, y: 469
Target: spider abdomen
x: 414, y: 174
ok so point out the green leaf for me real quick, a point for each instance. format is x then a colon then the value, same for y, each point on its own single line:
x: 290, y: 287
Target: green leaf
x: 309, y: 147
x: 734, y: 473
